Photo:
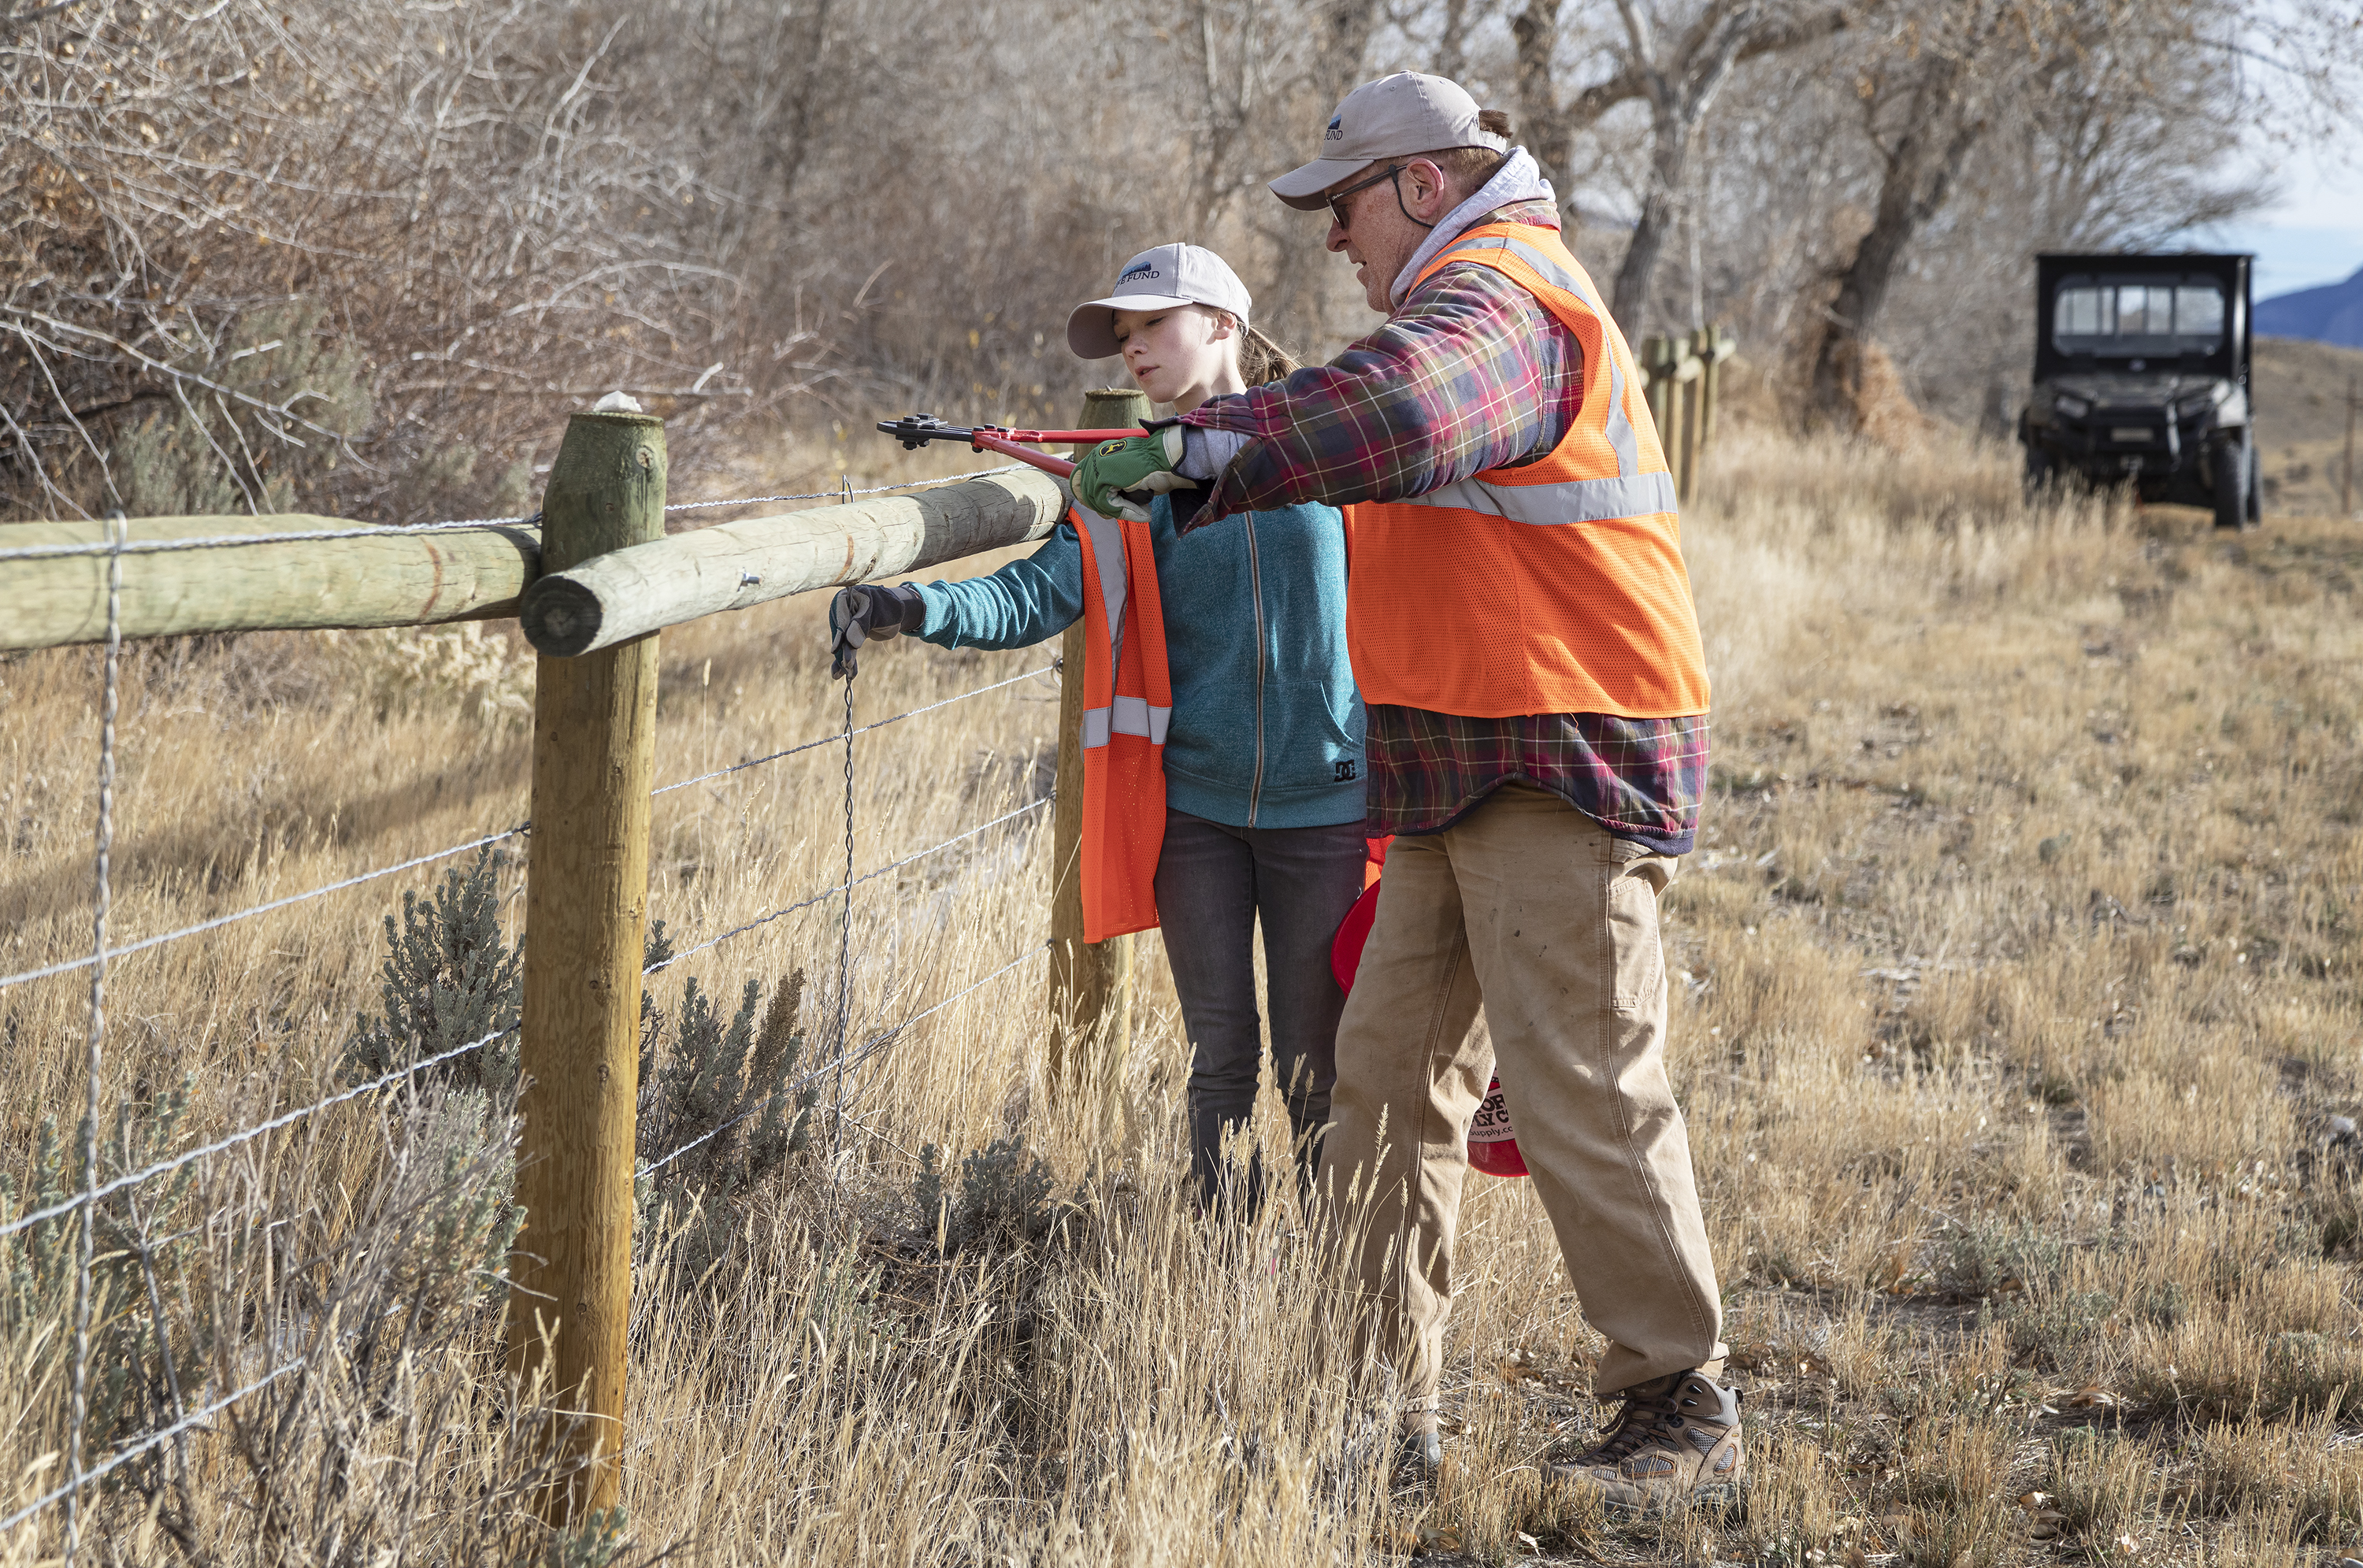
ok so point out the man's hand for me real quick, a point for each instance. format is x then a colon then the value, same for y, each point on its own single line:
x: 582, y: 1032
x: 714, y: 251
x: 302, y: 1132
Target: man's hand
x: 1136, y: 463
x: 858, y: 616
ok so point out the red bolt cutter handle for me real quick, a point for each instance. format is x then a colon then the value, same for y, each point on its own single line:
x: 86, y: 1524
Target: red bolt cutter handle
x: 994, y: 441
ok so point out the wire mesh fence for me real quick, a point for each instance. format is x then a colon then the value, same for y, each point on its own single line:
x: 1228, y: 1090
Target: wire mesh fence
x: 79, y: 1211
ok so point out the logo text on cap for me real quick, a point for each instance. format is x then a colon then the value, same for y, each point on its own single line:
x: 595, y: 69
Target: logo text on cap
x: 1336, y: 131
x: 1139, y: 272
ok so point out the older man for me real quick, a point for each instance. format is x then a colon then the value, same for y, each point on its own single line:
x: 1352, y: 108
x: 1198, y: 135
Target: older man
x: 1521, y: 626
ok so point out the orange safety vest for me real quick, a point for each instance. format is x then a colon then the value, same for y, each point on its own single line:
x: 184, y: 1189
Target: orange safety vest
x: 1581, y: 550
x: 1127, y: 702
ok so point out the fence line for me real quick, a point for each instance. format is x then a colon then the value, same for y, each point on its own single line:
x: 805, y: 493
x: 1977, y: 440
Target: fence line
x: 388, y: 531
x: 103, y: 901
x: 848, y: 884
x: 244, y: 1135
x: 85, y: 1203
x: 69, y: 964
x: 153, y: 1440
x: 846, y: 492
x: 235, y: 916
x: 229, y: 541
x: 840, y: 736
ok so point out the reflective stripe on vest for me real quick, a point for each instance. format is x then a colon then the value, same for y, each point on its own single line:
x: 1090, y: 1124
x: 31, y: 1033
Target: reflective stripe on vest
x: 1127, y: 716
x: 1127, y: 702
x: 1556, y: 586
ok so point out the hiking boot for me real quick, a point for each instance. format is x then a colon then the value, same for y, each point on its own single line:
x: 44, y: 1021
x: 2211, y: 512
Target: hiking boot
x: 1677, y: 1439
x: 1420, y: 1448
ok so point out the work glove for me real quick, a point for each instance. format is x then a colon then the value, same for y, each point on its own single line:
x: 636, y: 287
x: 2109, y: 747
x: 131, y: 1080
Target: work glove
x: 870, y: 614
x: 1142, y: 465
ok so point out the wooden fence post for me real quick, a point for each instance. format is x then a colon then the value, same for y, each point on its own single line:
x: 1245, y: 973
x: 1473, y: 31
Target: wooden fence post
x: 1091, y: 983
x: 586, y: 913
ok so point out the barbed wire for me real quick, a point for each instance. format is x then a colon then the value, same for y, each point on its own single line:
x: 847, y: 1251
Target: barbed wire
x: 126, y: 1455
x: 246, y: 1136
x: 844, y: 490
x: 854, y: 882
x: 839, y: 739
x: 848, y: 1059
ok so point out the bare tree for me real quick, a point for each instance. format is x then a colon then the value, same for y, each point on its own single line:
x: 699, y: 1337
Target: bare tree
x: 2123, y: 107
x: 1679, y: 74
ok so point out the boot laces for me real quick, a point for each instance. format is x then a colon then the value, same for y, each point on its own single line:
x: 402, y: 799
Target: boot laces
x: 1640, y: 1422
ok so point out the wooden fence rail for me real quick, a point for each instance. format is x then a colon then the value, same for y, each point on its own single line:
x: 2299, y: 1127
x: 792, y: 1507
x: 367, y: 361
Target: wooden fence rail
x: 613, y: 581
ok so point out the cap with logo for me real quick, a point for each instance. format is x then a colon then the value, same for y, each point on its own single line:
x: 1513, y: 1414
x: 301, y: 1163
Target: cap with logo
x: 1394, y: 116
x: 1162, y: 279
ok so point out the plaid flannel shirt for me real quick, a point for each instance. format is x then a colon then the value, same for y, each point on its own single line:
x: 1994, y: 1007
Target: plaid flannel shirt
x: 1469, y: 373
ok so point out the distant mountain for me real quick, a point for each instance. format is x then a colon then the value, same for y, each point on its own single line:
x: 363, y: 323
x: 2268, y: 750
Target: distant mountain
x: 2331, y: 314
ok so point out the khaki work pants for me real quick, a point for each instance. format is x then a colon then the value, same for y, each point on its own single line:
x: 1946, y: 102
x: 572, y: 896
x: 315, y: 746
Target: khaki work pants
x: 1532, y: 908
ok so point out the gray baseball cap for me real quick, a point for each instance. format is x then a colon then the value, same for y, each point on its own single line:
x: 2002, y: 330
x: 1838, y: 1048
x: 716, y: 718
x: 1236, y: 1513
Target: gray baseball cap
x: 1394, y: 116
x: 1162, y: 278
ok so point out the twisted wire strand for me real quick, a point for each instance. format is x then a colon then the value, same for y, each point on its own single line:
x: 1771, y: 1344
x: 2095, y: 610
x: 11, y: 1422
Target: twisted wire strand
x: 236, y: 915
x: 848, y: 1059
x: 396, y: 531
x: 103, y: 905
x: 827, y: 893
x: 246, y: 1136
x: 228, y: 541
x: 126, y: 1455
x: 839, y: 737
x: 842, y: 491
x: 69, y: 964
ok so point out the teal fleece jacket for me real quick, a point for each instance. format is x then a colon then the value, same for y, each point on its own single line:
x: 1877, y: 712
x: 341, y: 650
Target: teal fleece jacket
x: 1266, y: 728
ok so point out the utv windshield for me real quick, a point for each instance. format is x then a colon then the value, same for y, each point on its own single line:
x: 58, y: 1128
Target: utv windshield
x: 2126, y: 317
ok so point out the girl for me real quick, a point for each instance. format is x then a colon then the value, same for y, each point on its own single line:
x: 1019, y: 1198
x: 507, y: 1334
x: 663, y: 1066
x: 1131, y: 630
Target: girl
x: 1261, y: 817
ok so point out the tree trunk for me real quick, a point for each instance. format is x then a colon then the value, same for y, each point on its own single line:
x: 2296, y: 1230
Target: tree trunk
x: 1670, y: 156
x: 1938, y: 133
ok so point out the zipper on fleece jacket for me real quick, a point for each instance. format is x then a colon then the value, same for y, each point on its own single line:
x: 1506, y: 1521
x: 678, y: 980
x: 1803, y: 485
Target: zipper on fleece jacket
x: 1254, y: 587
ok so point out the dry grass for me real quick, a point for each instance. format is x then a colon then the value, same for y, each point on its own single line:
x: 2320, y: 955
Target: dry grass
x: 2017, y: 995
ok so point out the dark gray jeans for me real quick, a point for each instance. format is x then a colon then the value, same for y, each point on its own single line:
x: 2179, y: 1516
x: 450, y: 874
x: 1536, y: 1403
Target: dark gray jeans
x: 1213, y: 882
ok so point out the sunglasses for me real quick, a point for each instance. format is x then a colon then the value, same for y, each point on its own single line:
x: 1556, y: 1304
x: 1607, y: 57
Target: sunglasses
x: 1337, y: 200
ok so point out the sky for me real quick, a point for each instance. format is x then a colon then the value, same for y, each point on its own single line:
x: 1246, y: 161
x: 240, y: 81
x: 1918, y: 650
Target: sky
x: 2312, y: 233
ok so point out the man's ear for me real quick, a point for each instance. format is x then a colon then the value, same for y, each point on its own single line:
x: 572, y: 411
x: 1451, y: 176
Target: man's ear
x: 1427, y: 184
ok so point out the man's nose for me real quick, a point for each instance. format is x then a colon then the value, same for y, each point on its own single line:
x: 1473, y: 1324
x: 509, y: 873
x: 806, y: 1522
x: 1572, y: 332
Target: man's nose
x: 1336, y: 240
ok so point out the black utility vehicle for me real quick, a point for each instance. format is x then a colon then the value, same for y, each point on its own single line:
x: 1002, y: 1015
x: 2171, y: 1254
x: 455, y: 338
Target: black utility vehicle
x: 2141, y: 377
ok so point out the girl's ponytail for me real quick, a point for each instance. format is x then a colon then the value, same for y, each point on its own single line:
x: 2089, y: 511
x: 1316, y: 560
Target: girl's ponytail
x: 1261, y: 359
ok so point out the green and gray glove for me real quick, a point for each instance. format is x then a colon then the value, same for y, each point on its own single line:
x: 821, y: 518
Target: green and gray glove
x: 1141, y: 464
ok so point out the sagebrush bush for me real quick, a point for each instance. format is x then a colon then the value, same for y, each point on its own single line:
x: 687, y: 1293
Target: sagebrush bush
x: 450, y: 977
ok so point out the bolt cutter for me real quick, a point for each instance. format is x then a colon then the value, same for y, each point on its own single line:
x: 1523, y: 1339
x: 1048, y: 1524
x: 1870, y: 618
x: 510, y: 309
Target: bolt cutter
x: 916, y: 430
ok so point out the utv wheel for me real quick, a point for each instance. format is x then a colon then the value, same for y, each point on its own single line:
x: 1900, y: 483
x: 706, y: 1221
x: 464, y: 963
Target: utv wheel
x: 2235, y: 463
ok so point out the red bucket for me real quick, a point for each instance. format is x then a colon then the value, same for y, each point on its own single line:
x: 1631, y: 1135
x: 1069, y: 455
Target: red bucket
x: 1493, y: 1148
